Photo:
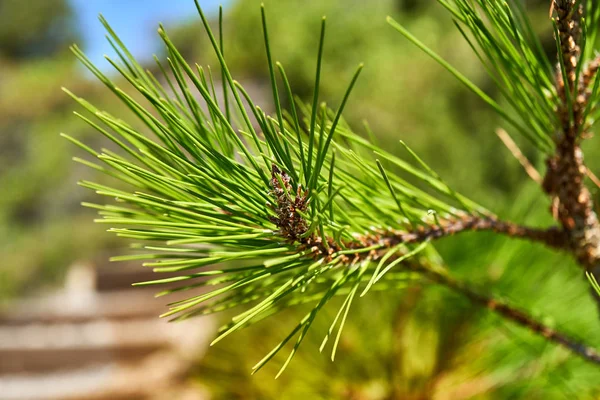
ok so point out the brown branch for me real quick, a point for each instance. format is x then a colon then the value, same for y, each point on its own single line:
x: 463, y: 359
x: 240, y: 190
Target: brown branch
x: 289, y: 204
x: 552, y: 237
x: 513, y: 314
x: 569, y: 31
x: 566, y: 171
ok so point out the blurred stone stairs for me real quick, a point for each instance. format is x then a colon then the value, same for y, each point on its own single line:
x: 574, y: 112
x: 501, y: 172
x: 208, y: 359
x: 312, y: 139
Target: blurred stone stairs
x: 98, y: 338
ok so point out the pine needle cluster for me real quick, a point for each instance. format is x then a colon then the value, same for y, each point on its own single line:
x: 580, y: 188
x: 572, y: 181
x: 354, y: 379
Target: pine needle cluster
x: 264, y: 212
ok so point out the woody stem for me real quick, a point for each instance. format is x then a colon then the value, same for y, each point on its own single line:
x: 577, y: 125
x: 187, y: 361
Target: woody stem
x: 511, y: 313
x: 564, y: 179
x: 552, y: 237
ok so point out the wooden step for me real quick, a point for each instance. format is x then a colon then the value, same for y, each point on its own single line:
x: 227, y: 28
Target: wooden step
x: 79, y: 342
x: 158, y: 376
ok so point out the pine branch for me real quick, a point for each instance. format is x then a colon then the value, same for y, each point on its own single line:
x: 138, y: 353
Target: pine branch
x: 568, y: 25
x: 292, y: 226
x: 513, y: 314
x: 566, y: 170
x: 277, y: 211
x: 551, y: 237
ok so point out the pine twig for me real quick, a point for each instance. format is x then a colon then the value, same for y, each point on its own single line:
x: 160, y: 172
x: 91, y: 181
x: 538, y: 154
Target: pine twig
x: 569, y: 32
x: 513, y: 314
x: 564, y: 179
x: 289, y: 204
x: 552, y: 237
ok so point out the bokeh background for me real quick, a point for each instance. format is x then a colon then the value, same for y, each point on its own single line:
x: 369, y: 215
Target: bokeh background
x: 70, y: 325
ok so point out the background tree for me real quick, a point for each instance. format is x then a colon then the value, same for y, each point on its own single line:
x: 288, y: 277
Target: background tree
x: 37, y: 201
x: 49, y: 23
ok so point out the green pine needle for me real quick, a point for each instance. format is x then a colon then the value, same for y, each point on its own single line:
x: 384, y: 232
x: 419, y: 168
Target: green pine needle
x: 500, y: 34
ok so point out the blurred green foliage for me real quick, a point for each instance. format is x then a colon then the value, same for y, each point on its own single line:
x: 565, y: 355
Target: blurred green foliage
x: 43, y: 229
x: 37, y: 30
x: 421, y: 343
